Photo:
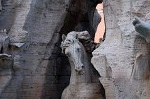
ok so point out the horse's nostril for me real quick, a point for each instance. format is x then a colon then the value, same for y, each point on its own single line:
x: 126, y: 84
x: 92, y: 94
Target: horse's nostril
x: 78, y: 68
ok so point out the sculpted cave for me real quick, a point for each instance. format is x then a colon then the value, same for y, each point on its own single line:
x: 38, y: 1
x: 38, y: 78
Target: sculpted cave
x: 48, y: 51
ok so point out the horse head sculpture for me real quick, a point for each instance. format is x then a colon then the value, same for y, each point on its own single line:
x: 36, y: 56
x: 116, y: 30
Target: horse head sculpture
x: 82, y: 72
x: 74, y: 50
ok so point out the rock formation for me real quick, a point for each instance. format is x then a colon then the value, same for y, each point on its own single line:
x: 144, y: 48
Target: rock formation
x: 33, y: 67
x: 34, y: 28
x: 0, y: 5
x: 123, y: 58
x: 6, y: 61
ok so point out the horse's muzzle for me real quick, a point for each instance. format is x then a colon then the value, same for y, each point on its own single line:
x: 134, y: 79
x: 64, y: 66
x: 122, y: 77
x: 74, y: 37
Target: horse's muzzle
x: 79, y: 69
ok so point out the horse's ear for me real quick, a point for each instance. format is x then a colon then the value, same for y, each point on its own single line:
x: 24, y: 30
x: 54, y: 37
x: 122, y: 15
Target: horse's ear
x: 76, y: 36
x: 63, y: 37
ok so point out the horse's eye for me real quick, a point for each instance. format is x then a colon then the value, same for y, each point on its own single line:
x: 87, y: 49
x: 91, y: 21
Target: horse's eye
x: 79, y: 49
x: 69, y: 40
x: 68, y: 54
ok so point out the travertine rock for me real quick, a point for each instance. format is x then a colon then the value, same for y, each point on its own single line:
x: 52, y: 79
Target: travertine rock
x: 34, y: 28
x: 4, y: 42
x: 0, y: 5
x: 6, y: 61
x: 123, y: 58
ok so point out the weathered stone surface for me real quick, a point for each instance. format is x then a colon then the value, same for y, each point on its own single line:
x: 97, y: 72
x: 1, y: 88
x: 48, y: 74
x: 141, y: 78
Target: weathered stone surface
x: 34, y: 28
x: 6, y: 66
x: 4, y: 42
x: 123, y: 58
x: 0, y: 5
x: 80, y: 14
x: 6, y: 61
x: 32, y: 32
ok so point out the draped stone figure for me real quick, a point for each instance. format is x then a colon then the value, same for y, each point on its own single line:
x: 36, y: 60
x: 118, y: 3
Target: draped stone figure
x: 83, y: 82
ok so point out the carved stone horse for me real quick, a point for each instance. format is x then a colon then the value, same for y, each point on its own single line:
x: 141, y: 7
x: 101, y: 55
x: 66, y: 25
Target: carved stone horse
x: 83, y: 83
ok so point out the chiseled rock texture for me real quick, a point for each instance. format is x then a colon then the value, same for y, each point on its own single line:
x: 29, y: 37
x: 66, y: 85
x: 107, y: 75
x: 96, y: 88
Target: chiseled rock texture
x: 123, y: 58
x: 34, y: 28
